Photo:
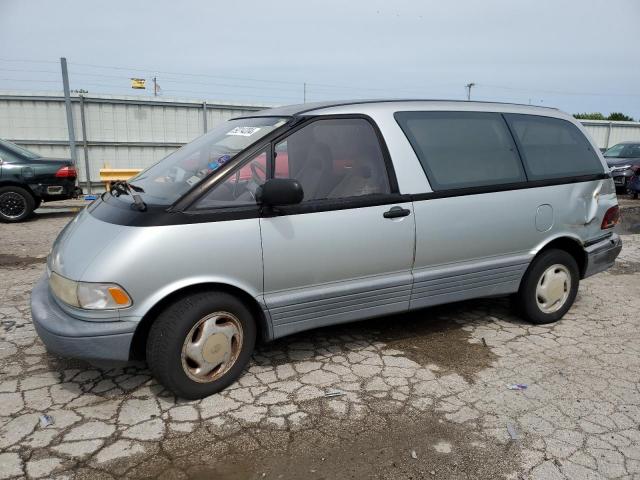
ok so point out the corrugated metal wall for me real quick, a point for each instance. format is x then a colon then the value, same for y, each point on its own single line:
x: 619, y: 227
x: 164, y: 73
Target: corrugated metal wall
x: 122, y: 132
x: 129, y: 132
x: 606, y: 134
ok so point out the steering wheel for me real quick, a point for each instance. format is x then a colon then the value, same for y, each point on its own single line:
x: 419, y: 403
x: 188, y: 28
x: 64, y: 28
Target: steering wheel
x: 256, y: 170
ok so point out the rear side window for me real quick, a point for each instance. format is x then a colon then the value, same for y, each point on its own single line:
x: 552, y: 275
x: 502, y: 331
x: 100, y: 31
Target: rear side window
x: 462, y: 149
x: 552, y: 147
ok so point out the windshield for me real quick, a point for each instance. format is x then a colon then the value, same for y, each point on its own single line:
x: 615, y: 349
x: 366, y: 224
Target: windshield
x: 624, y: 150
x: 171, y: 177
x: 18, y: 149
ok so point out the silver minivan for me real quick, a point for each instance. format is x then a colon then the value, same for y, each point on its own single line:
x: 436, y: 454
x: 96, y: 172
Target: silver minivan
x: 304, y: 216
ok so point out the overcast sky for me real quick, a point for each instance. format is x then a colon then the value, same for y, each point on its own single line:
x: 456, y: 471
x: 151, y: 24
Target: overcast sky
x: 578, y: 55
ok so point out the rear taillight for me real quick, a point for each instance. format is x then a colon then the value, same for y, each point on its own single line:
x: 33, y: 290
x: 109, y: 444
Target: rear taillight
x: 611, y: 218
x: 67, y: 172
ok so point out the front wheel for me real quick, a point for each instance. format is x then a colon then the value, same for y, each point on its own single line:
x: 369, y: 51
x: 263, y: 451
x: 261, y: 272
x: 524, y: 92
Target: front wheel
x: 16, y: 204
x: 549, y: 287
x: 201, y: 343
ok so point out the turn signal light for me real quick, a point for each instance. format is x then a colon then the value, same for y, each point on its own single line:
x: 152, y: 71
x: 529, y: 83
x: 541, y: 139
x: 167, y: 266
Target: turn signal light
x: 67, y: 172
x: 119, y: 296
x: 611, y: 218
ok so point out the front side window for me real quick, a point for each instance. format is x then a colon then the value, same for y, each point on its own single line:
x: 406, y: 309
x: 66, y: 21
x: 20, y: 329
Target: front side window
x: 552, y: 147
x: 167, y: 180
x: 462, y: 149
x: 239, y: 188
x: 333, y: 159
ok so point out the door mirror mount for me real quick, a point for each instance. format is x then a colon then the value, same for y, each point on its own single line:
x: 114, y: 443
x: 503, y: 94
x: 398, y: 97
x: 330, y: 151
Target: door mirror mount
x: 279, y: 192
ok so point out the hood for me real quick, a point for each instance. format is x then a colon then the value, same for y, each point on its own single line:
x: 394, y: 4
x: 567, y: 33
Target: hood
x: 616, y: 161
x: 79, y: 243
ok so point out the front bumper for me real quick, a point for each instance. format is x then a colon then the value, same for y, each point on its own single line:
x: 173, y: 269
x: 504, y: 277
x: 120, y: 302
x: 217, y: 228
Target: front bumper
x: 620, y: 179
x: 67, y: 336
x: 602, y: 254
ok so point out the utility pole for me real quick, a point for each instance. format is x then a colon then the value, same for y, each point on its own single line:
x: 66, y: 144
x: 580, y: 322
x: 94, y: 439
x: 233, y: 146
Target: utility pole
x: 304, y: 92
x: 468, y: 86
x: 155, y: 87
x: 67, y: 104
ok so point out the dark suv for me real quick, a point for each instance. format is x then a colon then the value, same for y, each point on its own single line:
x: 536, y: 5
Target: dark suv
x: 27, y: 180
x: 623, y: 160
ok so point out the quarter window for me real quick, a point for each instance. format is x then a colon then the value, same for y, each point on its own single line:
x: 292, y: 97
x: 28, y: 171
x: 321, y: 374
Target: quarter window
x: 462, y: 149
x: 552, y: 147
x: 332, y: 159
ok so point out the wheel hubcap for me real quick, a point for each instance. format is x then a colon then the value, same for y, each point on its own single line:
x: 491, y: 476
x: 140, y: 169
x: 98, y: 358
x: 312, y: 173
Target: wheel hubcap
x: 212, y: 347
x: 553, y: 288
x: 12, y: 204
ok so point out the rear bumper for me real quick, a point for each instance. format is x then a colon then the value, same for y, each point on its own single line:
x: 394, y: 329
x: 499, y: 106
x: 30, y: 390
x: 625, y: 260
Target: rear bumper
x: 601, y: 255
x: 63, y: 190
x: 67, y: 336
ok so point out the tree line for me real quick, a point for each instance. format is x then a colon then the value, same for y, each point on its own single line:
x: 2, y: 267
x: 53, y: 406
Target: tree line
x: 614, y: 116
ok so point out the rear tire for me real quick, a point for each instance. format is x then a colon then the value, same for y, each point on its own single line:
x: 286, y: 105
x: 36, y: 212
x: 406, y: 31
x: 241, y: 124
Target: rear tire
x: 16, y: 204
x: 196, y: 333
x: 549, y: 287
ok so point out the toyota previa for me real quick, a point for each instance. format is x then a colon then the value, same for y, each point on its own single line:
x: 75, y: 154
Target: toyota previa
x: 311, y: 215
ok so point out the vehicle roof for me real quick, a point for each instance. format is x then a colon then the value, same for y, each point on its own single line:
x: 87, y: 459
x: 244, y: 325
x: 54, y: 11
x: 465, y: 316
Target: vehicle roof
x: 366, y: 106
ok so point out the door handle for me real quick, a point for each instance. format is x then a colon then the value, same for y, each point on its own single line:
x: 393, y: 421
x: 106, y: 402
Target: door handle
x: 396, y: 212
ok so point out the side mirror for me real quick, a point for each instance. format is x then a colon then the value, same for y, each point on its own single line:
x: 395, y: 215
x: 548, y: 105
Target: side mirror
x: 280, y: 191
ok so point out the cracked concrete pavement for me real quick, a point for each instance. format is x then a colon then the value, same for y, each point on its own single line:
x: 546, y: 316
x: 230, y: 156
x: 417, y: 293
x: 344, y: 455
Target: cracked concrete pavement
x: 425, y: 394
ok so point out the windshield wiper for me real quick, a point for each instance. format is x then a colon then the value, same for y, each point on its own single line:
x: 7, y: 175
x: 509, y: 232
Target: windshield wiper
x: 123, y: 187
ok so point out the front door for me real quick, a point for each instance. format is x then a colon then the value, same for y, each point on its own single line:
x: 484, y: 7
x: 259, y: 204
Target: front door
x: 346, y: 251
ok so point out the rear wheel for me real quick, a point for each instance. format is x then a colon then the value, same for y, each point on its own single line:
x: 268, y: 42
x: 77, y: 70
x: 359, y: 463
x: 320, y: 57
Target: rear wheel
x: 201, y: 343
x: 549, y: 287
x: 16, y: 204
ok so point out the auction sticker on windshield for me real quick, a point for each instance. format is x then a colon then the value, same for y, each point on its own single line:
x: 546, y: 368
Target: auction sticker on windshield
x: 243, y: 131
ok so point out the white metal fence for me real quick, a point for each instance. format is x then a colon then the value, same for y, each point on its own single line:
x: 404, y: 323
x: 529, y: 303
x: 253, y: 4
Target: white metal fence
x: 131, y: 132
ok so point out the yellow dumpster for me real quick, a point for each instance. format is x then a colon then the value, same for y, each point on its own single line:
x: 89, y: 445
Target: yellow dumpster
x: 108, y: 175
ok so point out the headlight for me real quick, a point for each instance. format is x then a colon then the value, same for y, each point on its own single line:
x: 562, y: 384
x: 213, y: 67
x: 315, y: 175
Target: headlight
x: 620, y: 168
x: 91, y: 296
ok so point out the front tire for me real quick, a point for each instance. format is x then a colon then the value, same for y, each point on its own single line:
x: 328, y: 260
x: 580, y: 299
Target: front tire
x: 16, y: 204
x: 201, y: 343
x: 549, y: 287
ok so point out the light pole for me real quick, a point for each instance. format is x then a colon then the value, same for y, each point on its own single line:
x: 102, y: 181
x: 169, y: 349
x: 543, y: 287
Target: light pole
x: 468, y: 86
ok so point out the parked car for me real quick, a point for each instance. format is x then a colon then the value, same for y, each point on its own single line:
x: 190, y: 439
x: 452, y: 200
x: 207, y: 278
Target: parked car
x: 623, y: 159
x: 27, y: 180
x: 306, y: 216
